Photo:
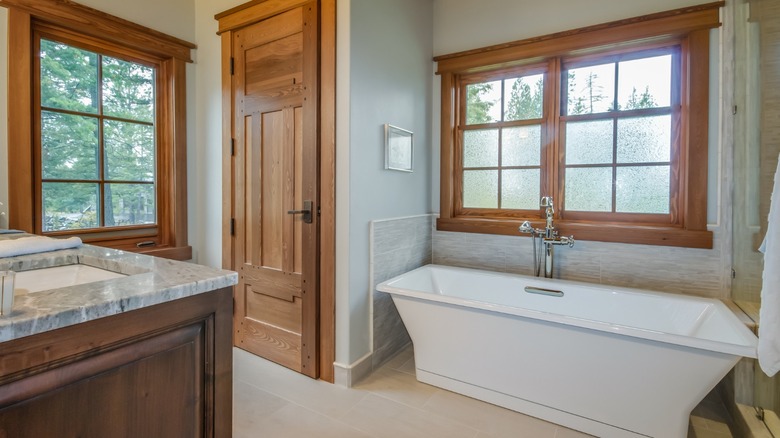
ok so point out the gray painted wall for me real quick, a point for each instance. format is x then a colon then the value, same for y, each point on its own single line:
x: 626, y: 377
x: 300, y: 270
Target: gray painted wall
x: 390, y: 82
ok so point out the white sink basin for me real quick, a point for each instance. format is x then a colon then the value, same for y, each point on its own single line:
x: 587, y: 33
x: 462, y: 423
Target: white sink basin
x: 59, y: 276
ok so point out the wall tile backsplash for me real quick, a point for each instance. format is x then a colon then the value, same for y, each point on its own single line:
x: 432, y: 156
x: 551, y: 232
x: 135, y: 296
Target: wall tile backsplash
x: 397, y: 246
x: 662, y: 268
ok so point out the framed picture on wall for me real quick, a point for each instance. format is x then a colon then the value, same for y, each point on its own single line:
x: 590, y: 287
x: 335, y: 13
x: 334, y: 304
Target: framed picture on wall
x: 399, y: 149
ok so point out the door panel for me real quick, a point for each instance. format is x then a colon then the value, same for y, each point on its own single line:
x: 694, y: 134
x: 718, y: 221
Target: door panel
x: 275, y: 68
x: 276, y: 134
x: 298, y: 187
x: 272, y: 190
x: 275, y: 311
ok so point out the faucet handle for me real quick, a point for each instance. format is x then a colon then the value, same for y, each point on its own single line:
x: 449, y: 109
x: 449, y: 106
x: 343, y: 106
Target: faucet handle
x: 568, y: 240
x: 526, y: 227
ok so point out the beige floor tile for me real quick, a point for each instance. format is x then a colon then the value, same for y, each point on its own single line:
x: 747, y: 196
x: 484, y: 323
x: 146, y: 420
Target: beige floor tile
x: 251, y: 405
x: 325, y: 398
x: 711, y: 410
x: 485, y: 417
x: 408, y: 366
x: 385, y: 418
x: 706, y: 433
x: 399, y: 359
x: 272, y: 401
x: 717, y: 426
x: 697, y: 421
x: 293, y: 421
x: 563, y: 432
x: 398, y: 386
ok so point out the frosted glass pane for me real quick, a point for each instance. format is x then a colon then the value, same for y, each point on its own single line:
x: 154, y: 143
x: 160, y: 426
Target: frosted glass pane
x: 480, y: 148
x: 520, y: 189
x: 480, y: 189
x: 591, y: 89
x: 644, y: 139
x: 521, y: 146
x: 589, y: 189
x: 524, y: 98
x: 642, y: 189
x: 645, y: 83
x: 483, y: 103
x: 589, y: 142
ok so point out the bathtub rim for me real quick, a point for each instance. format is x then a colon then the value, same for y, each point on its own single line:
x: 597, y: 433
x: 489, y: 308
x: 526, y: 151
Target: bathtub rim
x: 749, y: 349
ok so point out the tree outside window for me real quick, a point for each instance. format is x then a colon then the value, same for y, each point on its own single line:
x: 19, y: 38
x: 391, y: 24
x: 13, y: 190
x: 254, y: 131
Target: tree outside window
x: 98, y: 142
x: 616, y: 126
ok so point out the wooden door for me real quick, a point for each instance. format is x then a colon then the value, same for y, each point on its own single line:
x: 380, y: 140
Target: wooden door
x: 275, y: 194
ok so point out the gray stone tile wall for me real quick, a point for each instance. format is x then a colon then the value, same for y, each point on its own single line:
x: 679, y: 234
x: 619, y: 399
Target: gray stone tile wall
x: 397, y: 246
x: 661, y: 268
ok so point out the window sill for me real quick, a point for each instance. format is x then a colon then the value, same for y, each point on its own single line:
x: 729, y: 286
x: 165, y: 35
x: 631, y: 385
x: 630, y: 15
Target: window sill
x: 602, y: 232
x: 182, y: 253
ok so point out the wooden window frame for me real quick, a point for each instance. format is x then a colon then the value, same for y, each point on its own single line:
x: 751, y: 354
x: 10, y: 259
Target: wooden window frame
x: 544, y: 68
x: 96, y: 31
x: 687, y: 28
x: 673, y: 110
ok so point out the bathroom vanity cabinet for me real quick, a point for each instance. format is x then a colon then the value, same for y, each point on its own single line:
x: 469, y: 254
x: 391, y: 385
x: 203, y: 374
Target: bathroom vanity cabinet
x: 144, y: 352
x: 158, y: 371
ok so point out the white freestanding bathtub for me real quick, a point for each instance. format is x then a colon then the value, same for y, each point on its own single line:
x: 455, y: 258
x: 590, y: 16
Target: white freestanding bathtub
x: 609, y: 361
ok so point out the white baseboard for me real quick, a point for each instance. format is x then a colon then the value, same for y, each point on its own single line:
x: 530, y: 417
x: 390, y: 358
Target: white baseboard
x: 349, y: 375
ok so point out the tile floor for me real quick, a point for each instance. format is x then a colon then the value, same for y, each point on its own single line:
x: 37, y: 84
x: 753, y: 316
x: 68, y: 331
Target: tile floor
x: 272, y: 401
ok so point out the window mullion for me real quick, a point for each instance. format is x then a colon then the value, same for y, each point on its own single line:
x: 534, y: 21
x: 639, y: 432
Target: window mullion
x: 615, y: 137
x: 552, y: 166
x: 500, y: 145
x: 101, y: 145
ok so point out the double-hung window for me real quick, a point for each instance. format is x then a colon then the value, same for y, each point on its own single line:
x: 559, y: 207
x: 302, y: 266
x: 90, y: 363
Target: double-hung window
x: 619, y: 123
x: 611, y: 121
x: 501, y: 140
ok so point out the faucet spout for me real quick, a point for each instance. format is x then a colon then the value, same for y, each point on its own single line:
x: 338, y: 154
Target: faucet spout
x: 549, y: 213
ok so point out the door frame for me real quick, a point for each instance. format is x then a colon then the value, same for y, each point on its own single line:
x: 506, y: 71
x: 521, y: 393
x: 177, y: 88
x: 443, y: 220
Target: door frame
x: 234, y: 19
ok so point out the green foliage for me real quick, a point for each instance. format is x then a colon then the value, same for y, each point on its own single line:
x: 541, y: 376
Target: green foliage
x: 478, y: 109
x: 69, y: 146
x: 70, y: 143
x: 523, y: 104
x: 595, y: 92
x: 128, y: 90
x: 576, y: 104
x: 638, y: 102
x: 68, y: 78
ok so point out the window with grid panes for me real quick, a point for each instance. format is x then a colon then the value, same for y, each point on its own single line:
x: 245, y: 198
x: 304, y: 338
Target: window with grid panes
x: 616, y: 134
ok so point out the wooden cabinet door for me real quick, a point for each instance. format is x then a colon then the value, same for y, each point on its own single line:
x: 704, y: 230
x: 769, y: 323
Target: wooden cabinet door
x: 159, y: 371
x: 275, y: 187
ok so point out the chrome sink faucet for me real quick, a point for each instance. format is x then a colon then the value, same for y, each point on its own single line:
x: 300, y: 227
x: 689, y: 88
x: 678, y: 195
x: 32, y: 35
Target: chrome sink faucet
x: 548, y: 238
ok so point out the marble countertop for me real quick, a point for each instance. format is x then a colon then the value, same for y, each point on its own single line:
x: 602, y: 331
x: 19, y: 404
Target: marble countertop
x: 149, y: 281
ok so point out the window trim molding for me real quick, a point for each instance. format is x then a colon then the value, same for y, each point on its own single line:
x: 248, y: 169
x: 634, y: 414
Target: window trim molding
x: 98, y: 24
x: 647, y: 28
x: 688, y: 27
x: 171, y: 233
